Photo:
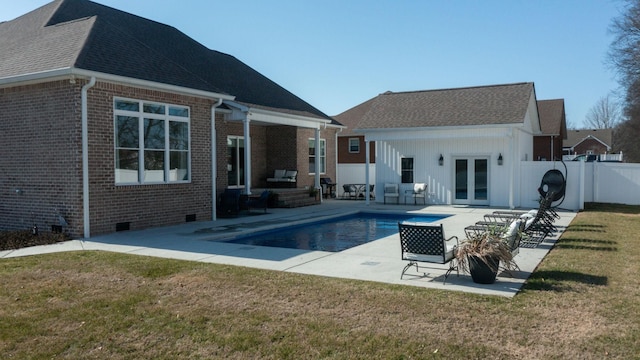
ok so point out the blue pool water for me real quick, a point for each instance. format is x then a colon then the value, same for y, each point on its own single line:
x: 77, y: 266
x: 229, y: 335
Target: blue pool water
x: 334, y: 234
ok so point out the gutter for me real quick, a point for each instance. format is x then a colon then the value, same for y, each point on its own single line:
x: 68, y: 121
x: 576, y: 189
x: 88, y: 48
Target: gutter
x: 65, y: 73
x: 85, y: 159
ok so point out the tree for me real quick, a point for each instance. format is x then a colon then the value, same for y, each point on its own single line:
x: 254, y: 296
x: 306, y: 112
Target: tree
x: 624, y: 58
x: 605, y: 114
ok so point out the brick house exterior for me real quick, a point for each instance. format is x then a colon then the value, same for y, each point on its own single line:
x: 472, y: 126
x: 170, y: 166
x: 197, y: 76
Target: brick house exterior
x: 42, y: 118
x: 588, y: 141
x: 553, y: 125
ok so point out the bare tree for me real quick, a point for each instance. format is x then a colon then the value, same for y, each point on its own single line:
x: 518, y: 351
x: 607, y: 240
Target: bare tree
x: 605, y: 114
x: 624, y: 58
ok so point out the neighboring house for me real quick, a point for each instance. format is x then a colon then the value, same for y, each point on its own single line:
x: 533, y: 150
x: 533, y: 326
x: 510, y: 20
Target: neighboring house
x: 548, y: 145
x: 117, y: 122
x: 465, y: 143
x: 352, y: 151
x: 588, y: 142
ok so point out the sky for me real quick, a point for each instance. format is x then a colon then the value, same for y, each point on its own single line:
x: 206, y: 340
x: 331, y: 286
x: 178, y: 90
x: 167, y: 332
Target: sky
x: 336, y: 54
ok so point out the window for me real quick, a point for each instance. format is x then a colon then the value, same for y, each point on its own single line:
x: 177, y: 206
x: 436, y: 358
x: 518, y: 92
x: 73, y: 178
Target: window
x: 407, y: 170
x: 235, y: 161
x: 151, y: 142
x: 354, y: 145
x: 313, y: 157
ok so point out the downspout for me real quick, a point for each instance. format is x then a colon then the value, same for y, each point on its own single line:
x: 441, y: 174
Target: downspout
x: 214, y: 162
x: 85, y: 158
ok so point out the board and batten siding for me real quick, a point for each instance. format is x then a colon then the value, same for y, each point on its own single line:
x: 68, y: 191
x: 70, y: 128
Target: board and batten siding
x: 426, y: 146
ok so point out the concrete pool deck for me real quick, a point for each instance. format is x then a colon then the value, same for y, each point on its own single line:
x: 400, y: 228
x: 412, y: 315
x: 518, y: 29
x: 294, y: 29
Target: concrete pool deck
x: 375, y: 261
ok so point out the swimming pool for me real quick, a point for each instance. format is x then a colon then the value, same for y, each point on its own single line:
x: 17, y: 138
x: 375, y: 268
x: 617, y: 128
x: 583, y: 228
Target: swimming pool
x: 334, y: 234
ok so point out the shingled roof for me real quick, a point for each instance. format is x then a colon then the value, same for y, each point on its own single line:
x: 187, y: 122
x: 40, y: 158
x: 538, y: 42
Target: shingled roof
x: 85, y: 35
x: 552, y: 117
x: 470, y: 106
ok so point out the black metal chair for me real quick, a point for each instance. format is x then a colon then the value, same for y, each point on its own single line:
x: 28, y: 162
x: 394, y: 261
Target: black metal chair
x: 426, y: 243
x: 259, y: 203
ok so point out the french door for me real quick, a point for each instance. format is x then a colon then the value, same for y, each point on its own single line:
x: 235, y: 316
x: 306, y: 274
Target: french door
x: 235, y: 161
x: 471, y: 181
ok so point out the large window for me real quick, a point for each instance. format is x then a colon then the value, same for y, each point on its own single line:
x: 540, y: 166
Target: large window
x: 407, y: 170
x: 151, y: 142
x: 313, y: 157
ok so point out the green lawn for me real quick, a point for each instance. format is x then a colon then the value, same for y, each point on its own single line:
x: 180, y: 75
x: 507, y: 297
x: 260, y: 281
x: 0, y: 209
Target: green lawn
x: 581, y: 303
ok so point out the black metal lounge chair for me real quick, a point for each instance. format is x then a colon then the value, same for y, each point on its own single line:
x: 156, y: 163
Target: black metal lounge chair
x: 426, y: 243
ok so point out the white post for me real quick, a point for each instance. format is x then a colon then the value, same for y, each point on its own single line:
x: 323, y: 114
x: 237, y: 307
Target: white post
x: 316, y: 179
x: 366, y: 169
x: 247, y: 155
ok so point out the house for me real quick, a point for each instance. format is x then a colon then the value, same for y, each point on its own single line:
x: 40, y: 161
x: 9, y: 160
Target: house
x: 588, y: 142
x: 112, y: 121
x: 548, y: 145
x: 465, y: 143
x: 352, y: 154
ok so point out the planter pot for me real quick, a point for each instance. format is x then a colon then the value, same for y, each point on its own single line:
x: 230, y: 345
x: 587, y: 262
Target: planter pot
x: 483, y: 272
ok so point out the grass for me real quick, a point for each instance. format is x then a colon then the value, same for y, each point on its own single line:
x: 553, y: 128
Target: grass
x: 581, y: 303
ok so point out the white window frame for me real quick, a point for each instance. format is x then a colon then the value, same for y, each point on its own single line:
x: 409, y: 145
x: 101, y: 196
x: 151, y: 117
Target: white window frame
x: 357, y: 145
x: 169, y: 176
x: 323, y: 155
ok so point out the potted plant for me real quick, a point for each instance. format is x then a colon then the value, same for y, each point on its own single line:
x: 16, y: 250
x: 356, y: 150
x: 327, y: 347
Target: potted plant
x: 481, y: 254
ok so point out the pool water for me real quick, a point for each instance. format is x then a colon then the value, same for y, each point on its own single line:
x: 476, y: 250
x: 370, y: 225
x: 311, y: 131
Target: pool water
x: 334, y: 234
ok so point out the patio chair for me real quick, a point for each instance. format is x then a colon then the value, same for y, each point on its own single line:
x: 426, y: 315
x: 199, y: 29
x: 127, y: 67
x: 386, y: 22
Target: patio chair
x: 419, y: 191
x: 426, y: 243
x: 229, y: 204
x: 391, y: 190
x: 259, y: 203
x: 349, y: 191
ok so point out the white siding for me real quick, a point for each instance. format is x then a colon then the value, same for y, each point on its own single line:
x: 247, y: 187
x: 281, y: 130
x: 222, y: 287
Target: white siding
x: 469, y: 143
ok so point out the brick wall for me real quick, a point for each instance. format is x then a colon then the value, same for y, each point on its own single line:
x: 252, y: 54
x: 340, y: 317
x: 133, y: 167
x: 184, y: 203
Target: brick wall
x: 41, y: 156
x: 592, y: 145
x: 346, y: 157
x: 145, y: 206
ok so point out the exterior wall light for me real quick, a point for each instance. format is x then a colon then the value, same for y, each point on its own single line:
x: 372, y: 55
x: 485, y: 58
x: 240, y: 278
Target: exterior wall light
x: 440, y: 160
x: 500, y: 159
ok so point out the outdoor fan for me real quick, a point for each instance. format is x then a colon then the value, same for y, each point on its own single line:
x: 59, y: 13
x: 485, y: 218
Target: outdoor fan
x: 553, y: 184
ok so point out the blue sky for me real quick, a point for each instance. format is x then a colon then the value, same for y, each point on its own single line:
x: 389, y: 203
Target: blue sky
x: 336, y: 54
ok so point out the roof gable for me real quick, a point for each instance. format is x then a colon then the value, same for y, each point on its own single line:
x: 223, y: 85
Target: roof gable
x: 473, y: 106
x: 552, y: 117
x: 575, y: 137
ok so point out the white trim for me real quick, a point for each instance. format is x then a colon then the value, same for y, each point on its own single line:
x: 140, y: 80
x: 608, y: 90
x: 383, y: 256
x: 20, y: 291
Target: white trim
x: 166, y: 118
x: 71, y: 73
x: 274, y: 117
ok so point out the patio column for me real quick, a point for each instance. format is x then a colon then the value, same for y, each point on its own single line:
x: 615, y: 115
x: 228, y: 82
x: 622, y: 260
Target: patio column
x: 366, y: 174
x: 316, y: 180
x: 247, y: 155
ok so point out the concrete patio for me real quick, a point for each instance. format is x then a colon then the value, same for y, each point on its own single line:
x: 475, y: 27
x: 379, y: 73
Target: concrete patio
x: 375, y: 261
